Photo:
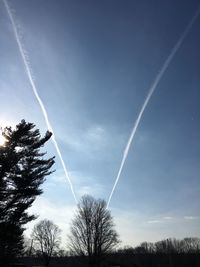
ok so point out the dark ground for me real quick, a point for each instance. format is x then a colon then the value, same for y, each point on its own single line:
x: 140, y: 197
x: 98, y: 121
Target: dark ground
x: 137, y: 260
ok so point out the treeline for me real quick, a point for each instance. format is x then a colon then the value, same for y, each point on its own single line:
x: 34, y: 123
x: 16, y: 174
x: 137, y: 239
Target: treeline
x: 167, y: 246
x: 189, y: 245
x: 165, y: 253
x: 170, y: 252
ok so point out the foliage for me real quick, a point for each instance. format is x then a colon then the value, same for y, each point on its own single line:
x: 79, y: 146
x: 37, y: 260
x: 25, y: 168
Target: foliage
x: 22, y: 171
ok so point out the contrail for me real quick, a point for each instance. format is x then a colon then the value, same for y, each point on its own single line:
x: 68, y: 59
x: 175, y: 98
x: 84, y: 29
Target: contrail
x: 151, y: 91
x: 33, y: 86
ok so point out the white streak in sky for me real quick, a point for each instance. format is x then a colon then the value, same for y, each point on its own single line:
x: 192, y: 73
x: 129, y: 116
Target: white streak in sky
x: 151, y: 91
x: 24, y: 56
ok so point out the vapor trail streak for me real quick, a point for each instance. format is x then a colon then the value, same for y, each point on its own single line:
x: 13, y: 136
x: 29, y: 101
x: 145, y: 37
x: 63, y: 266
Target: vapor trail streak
x: 32, y: 83
x: 151, y: 91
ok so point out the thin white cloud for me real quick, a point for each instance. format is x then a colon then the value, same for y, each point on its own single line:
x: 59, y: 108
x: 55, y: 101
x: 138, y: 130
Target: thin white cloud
x: 154, y: 221
x: 57, y: 177
x: 162, y: 219
x: 92, y: 138
x: 167, y: 218
x: 84, y: 184
x: 135, y: 227
x: 174, y: 219
x: 94, y: 190
x: 78, y: 178
x: 95, y: 138
x: 96, y: 133
x: 191, y: 217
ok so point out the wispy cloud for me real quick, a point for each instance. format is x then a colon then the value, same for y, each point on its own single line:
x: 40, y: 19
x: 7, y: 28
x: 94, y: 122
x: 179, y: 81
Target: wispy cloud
x: 93, y: 138
x: 58, y: 177
x: 154, y: 221
x: 191, y: 218
x: 94, y: 190
x: 95, y: 133
x: 84, y: 184
x: 161, y: 220
x: 174, y: 219
x: 167, y: 218
x: 136, y: 227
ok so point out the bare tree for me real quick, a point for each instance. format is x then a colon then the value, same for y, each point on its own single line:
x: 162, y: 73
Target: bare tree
x: 46, y: 236
x: 92, y: 231
x: 28, y: 247
x: 191, y: 245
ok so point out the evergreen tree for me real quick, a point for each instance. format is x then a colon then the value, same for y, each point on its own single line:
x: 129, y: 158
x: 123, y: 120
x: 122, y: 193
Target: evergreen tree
x: 22, y: 171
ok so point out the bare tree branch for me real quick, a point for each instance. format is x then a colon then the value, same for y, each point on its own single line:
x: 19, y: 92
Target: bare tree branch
x: 92, y: 231
x: 46, y: 235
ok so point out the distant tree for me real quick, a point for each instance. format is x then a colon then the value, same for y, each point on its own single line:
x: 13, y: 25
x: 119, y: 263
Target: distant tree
x: 92, y: 231
x: 191, y: 245
x: 168, y: 246
x: 28, y: 249
x: 148, y: 247
x: 170, y: 252
x: 128, y: 250
x: 46, y: 237
x: 22, y: 170
x: 61, y: 253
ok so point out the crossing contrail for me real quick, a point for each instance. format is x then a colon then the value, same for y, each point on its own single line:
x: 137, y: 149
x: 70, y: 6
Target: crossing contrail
x: 33, y: 86
x: 150, y: 93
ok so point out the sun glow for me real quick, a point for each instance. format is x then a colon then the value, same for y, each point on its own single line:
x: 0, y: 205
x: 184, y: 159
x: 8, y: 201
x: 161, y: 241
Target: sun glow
x: 2, y: 139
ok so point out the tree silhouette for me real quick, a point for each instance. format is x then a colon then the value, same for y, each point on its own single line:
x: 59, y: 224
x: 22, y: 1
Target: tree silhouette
x: 46, y: 236
x: 22, y: 170
x: 92, y: 231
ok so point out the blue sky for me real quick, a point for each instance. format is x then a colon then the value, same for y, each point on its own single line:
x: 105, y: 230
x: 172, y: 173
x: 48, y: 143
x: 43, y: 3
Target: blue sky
x: 93, y: 63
